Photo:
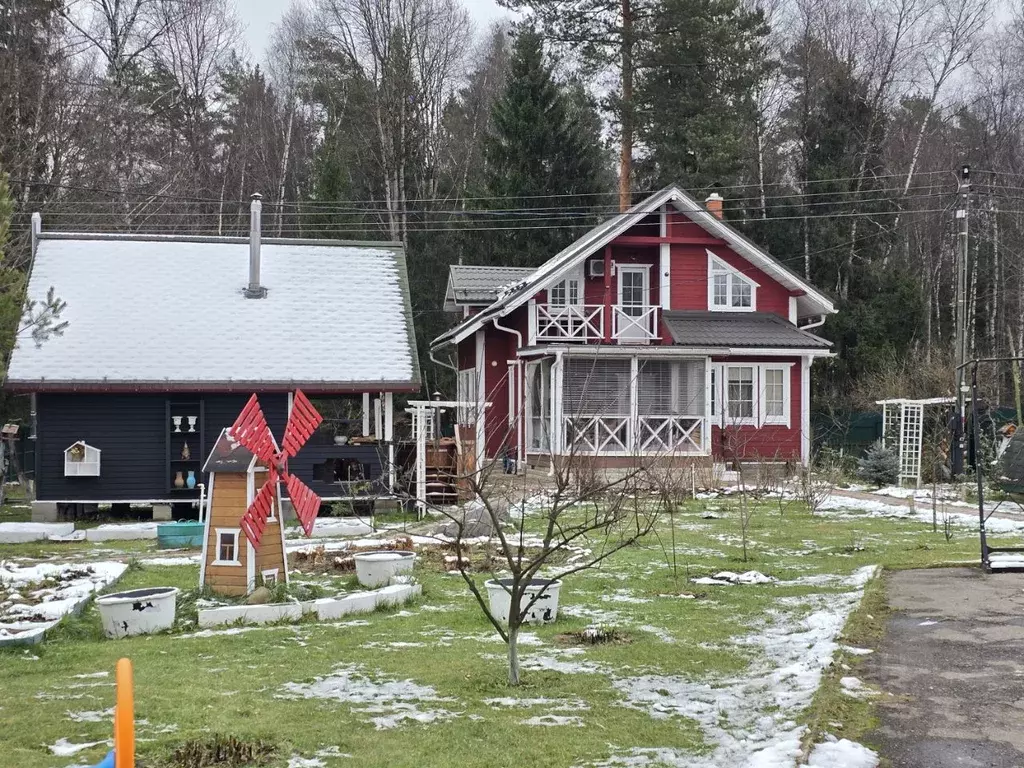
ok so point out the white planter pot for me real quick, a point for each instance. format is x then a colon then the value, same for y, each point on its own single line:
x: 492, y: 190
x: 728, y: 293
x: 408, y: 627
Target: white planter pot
x: 138, y: 611
x: 543, y: 611
x: 376, y: 569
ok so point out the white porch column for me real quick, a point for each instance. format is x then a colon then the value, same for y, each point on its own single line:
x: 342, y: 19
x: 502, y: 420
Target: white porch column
x: 419, y: 429
x: 366, y: 414
x: 531, y: 323
x: 705, y: 433
x: 481, y: 398
x: 633, y: 431
x: 557, y: 375
x: 389, y: 437
x: 665, y: 276
x: 805, y: 410
x: 378, y: 430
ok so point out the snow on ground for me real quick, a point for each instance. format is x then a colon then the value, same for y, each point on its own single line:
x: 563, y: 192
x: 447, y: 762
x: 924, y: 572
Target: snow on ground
x: 34, y: 598
x: 17, y: 533
x: 389, y: 703
x: 549, y: 720
x: 749, y: 719
x: 728, y: 578
x: 170, y: 561
x: 842, y: 753
x: 64, y: 748
x: 837, y: 505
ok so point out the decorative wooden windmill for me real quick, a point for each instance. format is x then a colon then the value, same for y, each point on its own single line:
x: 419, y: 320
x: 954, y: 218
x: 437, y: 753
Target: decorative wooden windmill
x: 245, y: 457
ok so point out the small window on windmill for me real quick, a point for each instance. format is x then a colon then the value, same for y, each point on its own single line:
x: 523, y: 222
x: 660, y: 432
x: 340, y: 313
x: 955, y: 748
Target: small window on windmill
x: 81, y: 460
x: 227, y: 546
x: 269, y: 577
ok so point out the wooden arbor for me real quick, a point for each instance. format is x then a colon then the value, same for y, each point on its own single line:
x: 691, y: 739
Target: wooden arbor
x: 243, y: 454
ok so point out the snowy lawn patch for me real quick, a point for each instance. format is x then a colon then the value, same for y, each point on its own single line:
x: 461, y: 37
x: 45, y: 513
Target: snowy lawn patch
x: 388, y: 702
x: 34, y: 598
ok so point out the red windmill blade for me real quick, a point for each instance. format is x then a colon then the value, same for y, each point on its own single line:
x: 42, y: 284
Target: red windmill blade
x: 252, y: 431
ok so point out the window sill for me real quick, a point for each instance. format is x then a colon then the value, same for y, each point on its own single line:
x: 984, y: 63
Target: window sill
x: 226, y: 562
x: 714, y: 308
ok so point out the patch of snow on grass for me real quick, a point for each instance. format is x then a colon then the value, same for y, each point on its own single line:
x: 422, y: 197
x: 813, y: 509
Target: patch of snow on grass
x: 659, y: 633
x: 550, y: 720
x: 855, y: 688
x: 729, y: 578
x: 750, y: 718
x: 842, y: 753
x: 389, y: 703
x: 64, y: 748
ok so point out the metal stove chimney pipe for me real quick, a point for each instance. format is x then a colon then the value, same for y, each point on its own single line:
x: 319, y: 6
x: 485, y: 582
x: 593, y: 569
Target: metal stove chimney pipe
x: 254, y: 290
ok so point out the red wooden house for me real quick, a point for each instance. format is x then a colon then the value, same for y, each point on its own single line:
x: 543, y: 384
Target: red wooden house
x: 662, y: 331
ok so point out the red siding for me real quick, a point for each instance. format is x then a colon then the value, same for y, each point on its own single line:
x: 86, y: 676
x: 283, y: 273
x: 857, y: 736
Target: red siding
x: 772, y: 441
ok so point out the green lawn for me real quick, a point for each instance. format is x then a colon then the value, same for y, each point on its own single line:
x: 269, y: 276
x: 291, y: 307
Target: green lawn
x: 238, y: 685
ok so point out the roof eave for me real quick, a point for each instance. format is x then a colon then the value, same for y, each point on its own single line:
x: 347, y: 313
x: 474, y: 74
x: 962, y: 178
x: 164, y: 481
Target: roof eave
x: 26, y: 386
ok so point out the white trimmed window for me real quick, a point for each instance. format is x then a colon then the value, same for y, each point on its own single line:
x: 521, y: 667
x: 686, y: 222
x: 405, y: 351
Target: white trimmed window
x: 729, y: 290
x: 567, y: 292
x: 751, y: 395
x: 466, y: 392
x: 269, y: 577
x: 227, y: 546
x: 739, y: 394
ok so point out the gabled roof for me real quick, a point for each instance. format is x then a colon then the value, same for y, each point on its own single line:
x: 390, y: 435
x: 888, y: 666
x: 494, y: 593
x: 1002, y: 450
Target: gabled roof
x: 165, y: 313
x: 811, y: 302
x: 476, y: 286
x: 738, y: 330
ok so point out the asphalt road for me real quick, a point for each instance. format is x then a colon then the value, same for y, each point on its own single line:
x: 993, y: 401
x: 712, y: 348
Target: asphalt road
x: 951, y: 666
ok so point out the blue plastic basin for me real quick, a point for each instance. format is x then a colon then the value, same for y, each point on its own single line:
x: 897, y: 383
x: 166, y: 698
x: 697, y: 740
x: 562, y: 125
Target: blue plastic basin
x: 185, y: 533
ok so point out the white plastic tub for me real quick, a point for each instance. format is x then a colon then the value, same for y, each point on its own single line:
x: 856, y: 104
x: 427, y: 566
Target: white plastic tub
x: 376, y: 569
x: 543, y: 611
x: 138, y: 611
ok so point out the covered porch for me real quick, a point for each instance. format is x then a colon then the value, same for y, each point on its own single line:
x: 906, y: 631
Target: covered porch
x: 617, y: 405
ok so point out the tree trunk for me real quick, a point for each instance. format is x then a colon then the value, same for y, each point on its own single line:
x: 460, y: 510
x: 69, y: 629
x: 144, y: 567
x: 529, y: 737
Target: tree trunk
x: 626, y: 145
x: 513, y: 652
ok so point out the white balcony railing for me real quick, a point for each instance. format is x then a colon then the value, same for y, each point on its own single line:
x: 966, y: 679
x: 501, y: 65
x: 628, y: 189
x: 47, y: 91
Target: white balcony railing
x: 619, y: 435
x: 634, y: 324
x: 573, y: 322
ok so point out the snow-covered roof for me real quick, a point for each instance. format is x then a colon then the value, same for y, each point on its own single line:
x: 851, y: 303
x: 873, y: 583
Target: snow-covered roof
x: 473, y: 285
x: 169, y: 313
x: 810, y: 301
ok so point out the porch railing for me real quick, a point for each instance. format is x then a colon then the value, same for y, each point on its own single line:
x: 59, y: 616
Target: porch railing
x: 622, y: 435
x: 636, y: 325
x: 573, y: 322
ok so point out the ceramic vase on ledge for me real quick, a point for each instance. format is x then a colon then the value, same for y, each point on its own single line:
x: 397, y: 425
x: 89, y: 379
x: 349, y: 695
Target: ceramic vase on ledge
x: 179, y: 481
x: 192, y: 423
x: 190, y: 481
x: 177, y: 423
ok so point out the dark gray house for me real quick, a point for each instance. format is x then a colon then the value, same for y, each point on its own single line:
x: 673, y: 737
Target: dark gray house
x: 167, y: 338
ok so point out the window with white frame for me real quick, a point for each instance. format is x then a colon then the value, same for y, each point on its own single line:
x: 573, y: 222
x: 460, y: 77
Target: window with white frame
x: 227, y: 546
x: 728, y: 288
x: 751, y: 394
x: 567, y: 292
x: 269, y: 577
x: 466, y: 392
x: 739, y: 397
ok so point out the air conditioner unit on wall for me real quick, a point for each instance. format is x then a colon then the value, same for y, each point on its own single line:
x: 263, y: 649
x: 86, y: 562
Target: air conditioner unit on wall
x: 595, y: 268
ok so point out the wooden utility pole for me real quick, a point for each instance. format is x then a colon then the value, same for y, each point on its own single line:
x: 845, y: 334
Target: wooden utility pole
x: 626, y: 144
x: 961, y: 304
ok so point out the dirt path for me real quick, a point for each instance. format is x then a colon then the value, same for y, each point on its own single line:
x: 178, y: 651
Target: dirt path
x: 952, y: 660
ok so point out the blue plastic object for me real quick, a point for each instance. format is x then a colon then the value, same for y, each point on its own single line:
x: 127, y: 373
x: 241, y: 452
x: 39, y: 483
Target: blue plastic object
x: 106, y: 762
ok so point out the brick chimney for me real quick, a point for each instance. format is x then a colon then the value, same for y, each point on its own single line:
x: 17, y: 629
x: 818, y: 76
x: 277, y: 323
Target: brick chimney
x: 714, y: 204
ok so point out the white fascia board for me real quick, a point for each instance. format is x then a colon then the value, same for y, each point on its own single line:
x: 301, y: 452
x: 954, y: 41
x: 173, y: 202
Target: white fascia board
x: 672, y: 351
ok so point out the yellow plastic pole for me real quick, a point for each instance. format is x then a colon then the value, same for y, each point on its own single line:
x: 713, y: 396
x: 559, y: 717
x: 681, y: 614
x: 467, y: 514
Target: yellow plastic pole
x: 124, y: 717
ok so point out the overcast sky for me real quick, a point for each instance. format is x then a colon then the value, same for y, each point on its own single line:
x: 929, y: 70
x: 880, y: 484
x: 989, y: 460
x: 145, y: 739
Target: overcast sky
x: 259, y: 17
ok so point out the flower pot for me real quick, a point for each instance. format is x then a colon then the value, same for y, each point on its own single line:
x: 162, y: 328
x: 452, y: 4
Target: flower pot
x: 138, y: 611
x: 376, y: 569
x: 340, y: 439
x: 543, y: 611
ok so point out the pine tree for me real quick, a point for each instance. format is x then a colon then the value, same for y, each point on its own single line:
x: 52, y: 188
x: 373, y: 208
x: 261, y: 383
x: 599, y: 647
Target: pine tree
x: 694, y: 111
x: 880, y: 465
x: 544, y: 142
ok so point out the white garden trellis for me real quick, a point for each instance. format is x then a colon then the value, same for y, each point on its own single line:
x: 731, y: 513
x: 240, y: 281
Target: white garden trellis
x: 903, y: 429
